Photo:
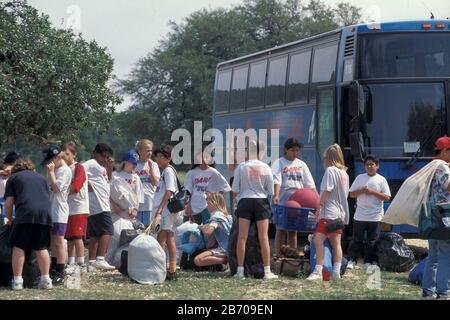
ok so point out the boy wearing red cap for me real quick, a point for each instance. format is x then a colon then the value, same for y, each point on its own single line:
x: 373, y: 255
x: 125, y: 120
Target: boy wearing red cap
x: 436, y: 276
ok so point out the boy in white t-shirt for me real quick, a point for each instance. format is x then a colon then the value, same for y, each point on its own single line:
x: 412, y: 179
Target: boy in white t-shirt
x: 59, y: 177
x: 371, y: 190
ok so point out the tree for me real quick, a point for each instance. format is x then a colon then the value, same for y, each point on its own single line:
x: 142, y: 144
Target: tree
x: 175, y: 82
x: 53, y: 83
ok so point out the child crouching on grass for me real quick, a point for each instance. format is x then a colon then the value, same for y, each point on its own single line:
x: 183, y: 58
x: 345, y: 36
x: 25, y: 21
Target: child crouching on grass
x: 217, y: 232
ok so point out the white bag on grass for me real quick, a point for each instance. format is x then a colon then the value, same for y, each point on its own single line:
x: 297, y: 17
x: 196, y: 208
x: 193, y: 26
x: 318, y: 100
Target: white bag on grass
x: 119, y: 224
x: 146, y: 260
x: 405, y: 207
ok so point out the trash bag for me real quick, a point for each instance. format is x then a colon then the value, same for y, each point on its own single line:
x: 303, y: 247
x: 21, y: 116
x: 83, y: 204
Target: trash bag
x: 146, y: 260
x: 5, y: 249
x: 253, y: 264
x: 116, y: 259
x: 119, y: 224
x: 393, y: 253
x: 416, y: 274
x: 127, y: 235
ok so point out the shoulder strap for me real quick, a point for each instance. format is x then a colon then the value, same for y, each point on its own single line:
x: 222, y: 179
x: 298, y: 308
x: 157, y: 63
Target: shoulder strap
x: 178, y: 181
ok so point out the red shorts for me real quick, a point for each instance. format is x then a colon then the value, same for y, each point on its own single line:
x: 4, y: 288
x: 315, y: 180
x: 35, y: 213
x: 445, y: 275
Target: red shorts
x: 76, y: 227
x: 322, y: 228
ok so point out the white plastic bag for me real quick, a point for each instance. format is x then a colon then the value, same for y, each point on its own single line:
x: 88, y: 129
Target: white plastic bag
x: 119, y: 224
x: 186, y: 226
x: 405, y: 207
x: 146, y: 260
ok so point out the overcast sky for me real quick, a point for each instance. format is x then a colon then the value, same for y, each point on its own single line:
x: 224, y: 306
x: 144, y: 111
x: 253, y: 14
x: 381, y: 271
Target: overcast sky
x: 132, y: 28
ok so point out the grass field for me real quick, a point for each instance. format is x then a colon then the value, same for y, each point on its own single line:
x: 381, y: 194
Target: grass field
x: 207, y: 285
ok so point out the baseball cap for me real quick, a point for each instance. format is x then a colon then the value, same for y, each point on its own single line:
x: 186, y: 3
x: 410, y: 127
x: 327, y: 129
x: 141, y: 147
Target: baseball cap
x: 131, y: 156
x: 49, y: 153
x: 442, y: 143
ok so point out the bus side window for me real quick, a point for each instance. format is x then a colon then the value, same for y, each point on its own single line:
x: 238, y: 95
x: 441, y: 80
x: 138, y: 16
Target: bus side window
x: 324, y: 68
x: 326, y: 124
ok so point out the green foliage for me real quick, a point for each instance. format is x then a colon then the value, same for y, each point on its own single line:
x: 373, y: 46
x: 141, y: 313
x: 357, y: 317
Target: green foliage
x: 56, y: 84
x: 173, y: 85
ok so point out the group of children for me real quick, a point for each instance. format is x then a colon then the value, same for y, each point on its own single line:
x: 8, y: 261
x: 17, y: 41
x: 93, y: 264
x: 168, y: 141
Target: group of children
x: 74, y: 202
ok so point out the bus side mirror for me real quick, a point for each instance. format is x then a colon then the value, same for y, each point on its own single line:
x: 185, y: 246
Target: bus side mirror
x: 357, y: 99
x: 357, y: 145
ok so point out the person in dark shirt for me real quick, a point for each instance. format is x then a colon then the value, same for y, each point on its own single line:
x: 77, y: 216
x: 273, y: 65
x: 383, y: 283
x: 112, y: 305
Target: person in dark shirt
x: 30, y: 194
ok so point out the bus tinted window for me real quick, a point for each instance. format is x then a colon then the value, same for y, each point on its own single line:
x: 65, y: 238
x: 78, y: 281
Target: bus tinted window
x: 256, y: 85
x: 238, y: 88
x: 405, y: 55
x: 276, y: 81
x: 297, y: 90
x: 324, y: 68
x: 415, y: 110
x: 223, y: 90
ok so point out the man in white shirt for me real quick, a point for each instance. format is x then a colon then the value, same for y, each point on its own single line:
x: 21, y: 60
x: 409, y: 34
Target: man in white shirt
x: 100, y: 226
x: 371, y: 190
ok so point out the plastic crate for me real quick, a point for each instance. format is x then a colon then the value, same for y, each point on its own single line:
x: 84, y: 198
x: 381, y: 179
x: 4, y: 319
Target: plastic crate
x: 295, y: 219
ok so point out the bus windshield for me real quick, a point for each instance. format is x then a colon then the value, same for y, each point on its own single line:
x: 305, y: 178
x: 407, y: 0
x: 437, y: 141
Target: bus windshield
x: 402, y: 116
x: 404, y: 55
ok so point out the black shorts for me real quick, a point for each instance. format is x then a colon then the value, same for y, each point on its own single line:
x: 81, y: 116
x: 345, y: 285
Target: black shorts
x: 30, y: 236
x: 100, y: 225
x: 254, y: 209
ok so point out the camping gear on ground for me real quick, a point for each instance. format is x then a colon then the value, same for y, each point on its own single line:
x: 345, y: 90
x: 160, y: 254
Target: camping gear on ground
x: 406, y: 205
x: 190, y: 238
x: 328, y: 260
x: 178, y: 201
x: 393, y: 253
x: 122, y: 194
x: 306, y: 198
x: 291, y: 267
x: 253, y: 264
x: 146, y: 260
x: 434, y: 221
x: 295, y: 218
x: 416, y: 274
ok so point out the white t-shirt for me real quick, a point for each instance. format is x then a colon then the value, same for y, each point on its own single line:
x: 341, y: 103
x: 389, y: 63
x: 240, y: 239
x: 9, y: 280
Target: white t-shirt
x: 167, y: 182
x: 134, y: 181
x: 291, y: 175
x: 370, y: 208
x: 142, y: 170
x: 79, y: 202
x: 2, y: 187
x: 199, y: 181
x: 253, y: 179
x: 336, y: 182
x: 58, y: 200
x: 98, y: 180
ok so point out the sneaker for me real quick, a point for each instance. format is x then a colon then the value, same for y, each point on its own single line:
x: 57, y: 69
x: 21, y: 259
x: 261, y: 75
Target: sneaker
x: 171, y: 276
x: 432, y: 296
x: 70, y: 269
x: 270, y: 276
x: 443, y: 297
x: 103, y: 265
x: 336, y: 276
x: 58, y: 278
x: 314, y: 276
x: 45, y: 284
x: 16, y: 285
x: 239, y: 276
x: 351, y: 265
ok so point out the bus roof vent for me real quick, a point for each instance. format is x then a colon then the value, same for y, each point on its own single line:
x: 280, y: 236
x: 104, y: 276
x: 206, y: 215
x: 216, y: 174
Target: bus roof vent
x: 349, y: 46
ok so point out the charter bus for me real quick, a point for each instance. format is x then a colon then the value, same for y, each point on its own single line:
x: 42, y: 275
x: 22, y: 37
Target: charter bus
x: 378, y: 88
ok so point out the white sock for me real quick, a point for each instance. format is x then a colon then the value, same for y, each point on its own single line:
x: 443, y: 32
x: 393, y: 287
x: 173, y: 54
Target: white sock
x: 99, y: 258
x: 80, y: 260
x: 18, y: 279
x: 318, y: 269
x: 337, y: 267
x: 45, y: 277
x: 71, y: 261
x: 267, y: 270
x: 240, y: 270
